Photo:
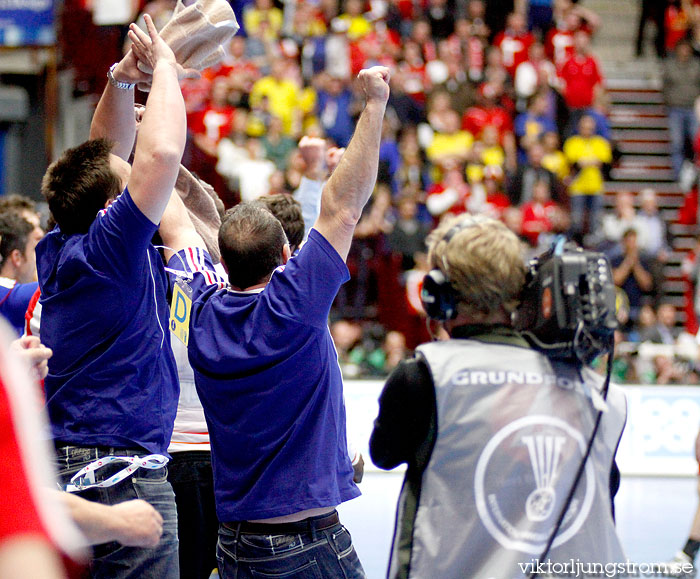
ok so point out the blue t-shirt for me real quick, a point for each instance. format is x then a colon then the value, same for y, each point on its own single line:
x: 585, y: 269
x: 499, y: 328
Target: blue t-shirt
x: 112, y: 378
x: 14, y: 300
x: 267, y: 373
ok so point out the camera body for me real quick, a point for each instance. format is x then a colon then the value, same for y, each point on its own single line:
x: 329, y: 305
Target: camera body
x: 567, y: 307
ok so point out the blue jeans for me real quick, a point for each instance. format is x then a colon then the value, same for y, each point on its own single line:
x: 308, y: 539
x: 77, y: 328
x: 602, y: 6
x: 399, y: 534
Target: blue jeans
x: 682, y: 126
x: 112, y: 560
x: 320, y: 554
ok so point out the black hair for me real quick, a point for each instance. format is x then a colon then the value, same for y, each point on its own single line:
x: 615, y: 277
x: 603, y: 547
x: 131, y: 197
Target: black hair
x: 79, y: 184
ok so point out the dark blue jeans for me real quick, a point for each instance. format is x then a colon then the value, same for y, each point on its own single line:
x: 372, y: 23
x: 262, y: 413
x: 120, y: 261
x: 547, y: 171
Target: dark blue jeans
x: 112, y: 560
x: 320, y: 554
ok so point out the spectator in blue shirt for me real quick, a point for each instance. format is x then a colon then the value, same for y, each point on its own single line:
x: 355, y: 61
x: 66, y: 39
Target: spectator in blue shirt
x: 267, y: 374
x: 531, y: 125
x: 335, y: 110
x: 112, y: 386
x: 18, y: 239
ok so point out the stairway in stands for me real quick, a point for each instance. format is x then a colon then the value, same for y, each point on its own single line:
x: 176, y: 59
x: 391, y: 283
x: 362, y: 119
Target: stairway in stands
x: 640, y: 129
x: 640, y: 126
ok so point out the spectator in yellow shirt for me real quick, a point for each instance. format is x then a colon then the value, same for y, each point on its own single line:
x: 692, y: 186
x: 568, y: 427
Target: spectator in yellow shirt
x: 283, y: 96
x: 263, y: 11
x: 452, y: 143
x: 554, y: 159
x: 358, y: 25
x: 587, y: 153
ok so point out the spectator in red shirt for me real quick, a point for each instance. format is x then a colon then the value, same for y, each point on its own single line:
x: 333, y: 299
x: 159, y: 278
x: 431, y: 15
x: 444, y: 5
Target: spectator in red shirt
x: 417, y: 82
x: 581, y: 75
x: 514, y: 42
x: 207, y: 127
x: 537, y: 214
x: 490, y: 110
x: 677, y: 22
x: 452, y: 195
x: 559, y: 42
x: 422, y: 35
x: 487, y: 111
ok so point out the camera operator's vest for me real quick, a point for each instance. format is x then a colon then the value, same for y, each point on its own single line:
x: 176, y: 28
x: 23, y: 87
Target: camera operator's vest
x: 512, y: 429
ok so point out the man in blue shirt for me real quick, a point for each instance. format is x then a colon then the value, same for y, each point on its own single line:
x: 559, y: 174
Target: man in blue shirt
x: 112, y: 386
x: 18, y: 239
x: 267, y: 374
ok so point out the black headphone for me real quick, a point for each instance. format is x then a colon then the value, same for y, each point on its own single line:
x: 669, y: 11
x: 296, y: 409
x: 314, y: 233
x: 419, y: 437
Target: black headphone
x: 438, y: 296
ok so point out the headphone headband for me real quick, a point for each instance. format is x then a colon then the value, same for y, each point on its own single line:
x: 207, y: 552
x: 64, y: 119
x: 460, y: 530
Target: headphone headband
x: 438, y: 296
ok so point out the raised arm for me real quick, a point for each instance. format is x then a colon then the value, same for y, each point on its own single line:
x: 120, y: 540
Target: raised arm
x: 352, y: 182
x: 313, y: 151
x: 114, y: 116
x: 163, y: 127
x: 176, y: 228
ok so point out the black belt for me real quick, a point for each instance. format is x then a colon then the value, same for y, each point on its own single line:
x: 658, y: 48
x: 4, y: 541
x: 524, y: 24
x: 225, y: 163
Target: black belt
x: 309, y: 525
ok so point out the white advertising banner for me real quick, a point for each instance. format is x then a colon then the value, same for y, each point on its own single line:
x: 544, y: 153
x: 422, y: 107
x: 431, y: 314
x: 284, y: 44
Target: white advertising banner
x: 659, y: 438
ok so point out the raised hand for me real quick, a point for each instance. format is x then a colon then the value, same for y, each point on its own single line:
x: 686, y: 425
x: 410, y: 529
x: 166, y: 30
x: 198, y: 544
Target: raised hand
x: 150, y: 48
x: 128, y: 70
x: 313, y: 150
x: 333, y: 156
x: 375, y: 84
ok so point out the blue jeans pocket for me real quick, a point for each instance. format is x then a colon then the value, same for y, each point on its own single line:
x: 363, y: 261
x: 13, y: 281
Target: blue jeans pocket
x: 263, y: 546
x: 342, y: 542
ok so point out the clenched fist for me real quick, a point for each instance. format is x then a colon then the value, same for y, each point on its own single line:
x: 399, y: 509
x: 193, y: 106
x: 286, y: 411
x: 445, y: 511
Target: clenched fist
x: 375, y: 84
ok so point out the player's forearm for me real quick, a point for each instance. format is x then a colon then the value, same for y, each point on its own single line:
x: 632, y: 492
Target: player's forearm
x: 176, y: 228
x: 93, y: 519
x: 164, y: 125
x: 352, y: 182
x: 114, y: 119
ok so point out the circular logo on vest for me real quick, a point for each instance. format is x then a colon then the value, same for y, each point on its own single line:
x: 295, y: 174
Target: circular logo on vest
x: 523, y: 477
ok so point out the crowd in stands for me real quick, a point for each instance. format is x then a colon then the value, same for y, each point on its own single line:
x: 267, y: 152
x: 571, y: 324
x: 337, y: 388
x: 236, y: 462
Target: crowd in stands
x: 497, y: 108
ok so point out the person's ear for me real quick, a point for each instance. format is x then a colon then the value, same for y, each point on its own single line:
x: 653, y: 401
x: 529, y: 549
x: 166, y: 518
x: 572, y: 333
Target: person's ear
x: 16, y: 257
x: 286, y: 253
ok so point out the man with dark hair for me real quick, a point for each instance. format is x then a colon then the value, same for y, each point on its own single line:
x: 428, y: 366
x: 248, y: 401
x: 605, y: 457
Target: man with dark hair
x: 112, y: 386
x: 288, y: 211
x: 80, y: 184
x: 18, y: 239
x: 267, y: 374
x: 253, y: 239
x: 493, y: 432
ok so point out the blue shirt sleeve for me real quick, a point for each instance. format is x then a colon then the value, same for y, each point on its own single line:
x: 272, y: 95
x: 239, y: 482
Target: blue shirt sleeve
x: 306, y: 287
x: 118, y: 239
x: 14, y: 304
